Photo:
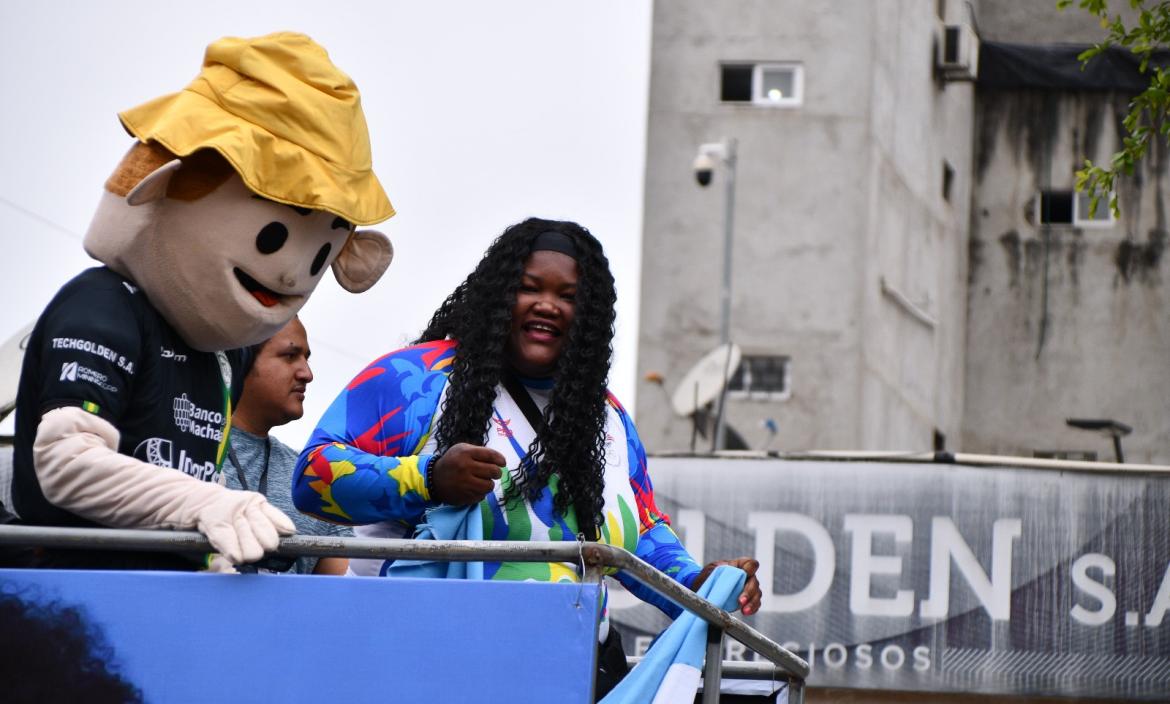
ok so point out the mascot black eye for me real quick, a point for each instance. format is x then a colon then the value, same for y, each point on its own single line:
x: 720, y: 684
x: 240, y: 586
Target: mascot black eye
x: 319, y: 260
x: 271, y: 238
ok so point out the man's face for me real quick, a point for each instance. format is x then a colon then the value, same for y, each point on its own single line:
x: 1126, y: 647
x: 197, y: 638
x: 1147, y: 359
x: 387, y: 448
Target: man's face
x: 275, y: 388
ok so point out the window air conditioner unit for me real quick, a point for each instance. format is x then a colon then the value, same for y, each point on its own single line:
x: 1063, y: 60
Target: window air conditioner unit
x: 958, y: 53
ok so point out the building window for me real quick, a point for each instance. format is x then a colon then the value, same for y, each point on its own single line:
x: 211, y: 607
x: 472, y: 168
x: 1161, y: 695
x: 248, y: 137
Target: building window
x: 761, y: 377
x: 1102, y: 218
x: 1069, y: 208
x: 1056, y: 207
x: 736, y: 83
x: 948, y: 180
x: 769, y: 85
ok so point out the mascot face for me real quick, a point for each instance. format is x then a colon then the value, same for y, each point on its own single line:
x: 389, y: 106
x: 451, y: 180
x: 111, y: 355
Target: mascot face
x: 231, y: 268
x: 251, y: 262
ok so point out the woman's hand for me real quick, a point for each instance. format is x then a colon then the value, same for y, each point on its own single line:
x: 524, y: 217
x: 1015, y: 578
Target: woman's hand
x: 749, y: 598
x: 465, y: 474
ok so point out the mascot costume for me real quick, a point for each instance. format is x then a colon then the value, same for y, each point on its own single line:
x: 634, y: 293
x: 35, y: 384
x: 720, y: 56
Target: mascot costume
x: 241, y: 191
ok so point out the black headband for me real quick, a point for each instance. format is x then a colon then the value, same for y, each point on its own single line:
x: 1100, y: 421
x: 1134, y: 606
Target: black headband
x: 553, y: 241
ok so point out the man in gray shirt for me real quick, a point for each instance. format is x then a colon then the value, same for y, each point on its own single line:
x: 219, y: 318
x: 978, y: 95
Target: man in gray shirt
x: 274, y: 394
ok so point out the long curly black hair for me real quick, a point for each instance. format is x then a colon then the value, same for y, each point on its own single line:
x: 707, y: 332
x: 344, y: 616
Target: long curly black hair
x: 478, y: 314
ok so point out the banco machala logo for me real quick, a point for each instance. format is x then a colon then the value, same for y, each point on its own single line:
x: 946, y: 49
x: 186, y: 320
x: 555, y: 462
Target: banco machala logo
x: 190, y: 418
x: 68, y: 371
x: 183, y: 410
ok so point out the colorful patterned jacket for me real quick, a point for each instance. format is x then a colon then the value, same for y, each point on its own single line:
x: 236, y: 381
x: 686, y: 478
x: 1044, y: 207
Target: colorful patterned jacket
x: 367, y: 460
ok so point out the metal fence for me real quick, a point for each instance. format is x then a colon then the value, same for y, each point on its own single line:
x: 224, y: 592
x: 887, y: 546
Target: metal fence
x: 781, y: 665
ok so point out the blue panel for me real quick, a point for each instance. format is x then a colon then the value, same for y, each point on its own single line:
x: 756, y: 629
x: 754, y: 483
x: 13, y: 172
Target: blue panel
x: 201, y: 637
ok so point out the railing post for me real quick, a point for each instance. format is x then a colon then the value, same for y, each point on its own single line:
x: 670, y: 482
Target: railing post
x: 712, y: 668
x: 795, y: 691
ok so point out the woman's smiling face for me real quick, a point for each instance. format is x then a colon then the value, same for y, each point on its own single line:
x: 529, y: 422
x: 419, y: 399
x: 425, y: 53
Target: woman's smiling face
x: 543, y: 313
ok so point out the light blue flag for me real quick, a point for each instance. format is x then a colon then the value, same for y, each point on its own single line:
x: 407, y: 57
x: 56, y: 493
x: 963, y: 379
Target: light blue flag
x: 673, y: 666
x: 443, y: 523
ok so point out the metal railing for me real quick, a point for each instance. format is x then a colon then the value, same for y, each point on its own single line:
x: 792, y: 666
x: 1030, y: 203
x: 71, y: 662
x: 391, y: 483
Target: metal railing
x: 593, y: 557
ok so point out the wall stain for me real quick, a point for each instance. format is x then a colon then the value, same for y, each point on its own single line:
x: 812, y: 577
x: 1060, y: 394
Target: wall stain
x: 1076, y: 257
x: 1033, y: 259
x: 1010, y: 241
x: 1039, y: 120
x: 1094, y: 122
x: 1029, y: 119
x: 1140, y: 261
x: 989, y: 109
x: 974, y: 259
x: 1129, y: 187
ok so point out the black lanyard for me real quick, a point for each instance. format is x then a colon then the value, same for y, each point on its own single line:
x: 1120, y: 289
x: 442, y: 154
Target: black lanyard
x: 263, y: 487
x: 528, y: 407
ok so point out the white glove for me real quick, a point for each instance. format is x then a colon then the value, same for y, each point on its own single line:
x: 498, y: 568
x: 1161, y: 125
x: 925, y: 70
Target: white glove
x: 79, y: 470
x: 242, y: 525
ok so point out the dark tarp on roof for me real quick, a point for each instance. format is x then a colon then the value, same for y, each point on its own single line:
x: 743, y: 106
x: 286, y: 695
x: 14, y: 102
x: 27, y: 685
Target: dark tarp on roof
x: 1056, y: 67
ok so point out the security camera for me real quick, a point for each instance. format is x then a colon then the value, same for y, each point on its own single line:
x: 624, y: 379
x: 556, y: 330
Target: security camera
x: 704, y: 167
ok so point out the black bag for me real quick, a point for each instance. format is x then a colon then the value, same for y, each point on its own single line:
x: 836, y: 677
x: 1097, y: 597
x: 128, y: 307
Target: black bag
x: 611, y: 664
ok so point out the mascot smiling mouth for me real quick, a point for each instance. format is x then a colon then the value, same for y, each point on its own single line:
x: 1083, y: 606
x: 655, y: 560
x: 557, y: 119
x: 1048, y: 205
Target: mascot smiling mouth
x: 259, y: 291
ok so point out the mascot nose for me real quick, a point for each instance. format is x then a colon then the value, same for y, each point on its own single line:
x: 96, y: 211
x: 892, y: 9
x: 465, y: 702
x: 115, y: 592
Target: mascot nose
x: 288, y: 281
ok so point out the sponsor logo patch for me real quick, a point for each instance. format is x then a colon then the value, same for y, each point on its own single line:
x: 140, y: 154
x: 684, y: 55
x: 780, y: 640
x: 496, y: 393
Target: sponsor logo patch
x: 198, y: 421
x: 160, y: 452
x: 72, y: 371
x: 171, y: 354
x: 98, y: 350
x: 156, y: 451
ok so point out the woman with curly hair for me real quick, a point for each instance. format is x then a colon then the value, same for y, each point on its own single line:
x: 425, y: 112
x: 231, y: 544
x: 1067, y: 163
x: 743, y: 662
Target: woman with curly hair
x: 444, y: 422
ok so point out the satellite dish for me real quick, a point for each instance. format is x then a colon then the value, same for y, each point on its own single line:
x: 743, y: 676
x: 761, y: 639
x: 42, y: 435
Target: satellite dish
x: 11, y: 359
x: 706, y: 379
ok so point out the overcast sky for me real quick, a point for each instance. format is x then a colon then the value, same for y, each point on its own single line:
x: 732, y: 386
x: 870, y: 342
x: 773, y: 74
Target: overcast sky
x: 480, y: 114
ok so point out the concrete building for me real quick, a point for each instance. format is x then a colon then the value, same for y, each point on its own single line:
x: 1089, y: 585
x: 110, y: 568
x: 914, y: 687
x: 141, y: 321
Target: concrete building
x: 891, y: 276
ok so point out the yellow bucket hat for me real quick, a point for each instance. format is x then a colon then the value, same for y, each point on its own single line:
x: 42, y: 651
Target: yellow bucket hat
x: 287, y: 119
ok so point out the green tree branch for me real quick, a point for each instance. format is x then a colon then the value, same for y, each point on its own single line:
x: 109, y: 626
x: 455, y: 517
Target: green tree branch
x: 1147, y: 117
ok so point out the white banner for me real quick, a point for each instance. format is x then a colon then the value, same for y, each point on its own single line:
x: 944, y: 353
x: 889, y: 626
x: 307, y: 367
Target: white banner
x: 938, y: 577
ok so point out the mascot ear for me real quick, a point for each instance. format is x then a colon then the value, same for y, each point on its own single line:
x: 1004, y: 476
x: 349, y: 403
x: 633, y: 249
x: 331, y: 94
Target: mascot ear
x: 154, y: 186
x: 363, y: 260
